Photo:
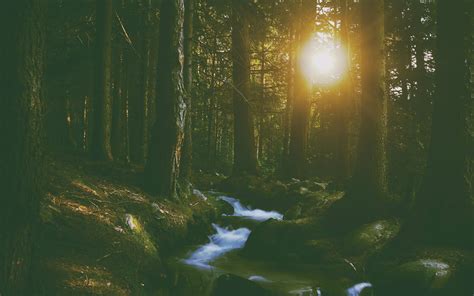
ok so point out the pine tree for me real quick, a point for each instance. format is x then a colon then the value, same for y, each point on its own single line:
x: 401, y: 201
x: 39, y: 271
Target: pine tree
x: 21, y: 71
x: 162, y: 167
x: 245, y: 154
x: 100, y: 147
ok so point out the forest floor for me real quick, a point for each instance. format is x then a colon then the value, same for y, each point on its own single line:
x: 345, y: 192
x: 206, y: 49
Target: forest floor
x: 102, y: 235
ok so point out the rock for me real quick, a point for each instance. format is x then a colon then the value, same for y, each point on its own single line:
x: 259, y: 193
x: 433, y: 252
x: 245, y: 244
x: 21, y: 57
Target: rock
x: 370, y: 237
x: 420, y: 277
x: 294, y: 212
x: 317, y: 186
x: 303, y: 190
x: 224, y: 207
x: 199, y: 194
x: 279, y: 240
x: 320, y: 251
x: 232, y: 285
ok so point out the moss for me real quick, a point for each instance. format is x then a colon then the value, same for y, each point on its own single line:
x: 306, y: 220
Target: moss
x: 140, y: 235
x: 370, y: 237
x: 96, y: 222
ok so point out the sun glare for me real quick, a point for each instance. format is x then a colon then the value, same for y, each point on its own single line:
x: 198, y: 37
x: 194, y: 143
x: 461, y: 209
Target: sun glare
x: 322, y: 64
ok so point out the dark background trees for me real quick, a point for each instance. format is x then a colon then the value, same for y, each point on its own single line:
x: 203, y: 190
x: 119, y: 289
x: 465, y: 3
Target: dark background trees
x: 409, y: 32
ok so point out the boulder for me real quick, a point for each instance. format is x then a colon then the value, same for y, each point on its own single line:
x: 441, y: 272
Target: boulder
x: 319, y: 251
x: 370, y: 237
x: 224, y: 207
x: 280, y: 240
x: 419, y: 277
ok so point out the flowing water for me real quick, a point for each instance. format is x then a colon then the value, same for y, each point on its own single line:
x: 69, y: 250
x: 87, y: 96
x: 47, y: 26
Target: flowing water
x: 216, y: 257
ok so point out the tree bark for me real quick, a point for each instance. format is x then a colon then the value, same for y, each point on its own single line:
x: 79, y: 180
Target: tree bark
x: 245, y: 154
x: 369, y: 178
x: 162, y: 168
x: 443, y: 210
x: 343, y: 106
x: 119, y: 109
x: 21, y: 58
x: 136, y: 59
x: 102, y: 101
x: 186, y: 160
x: 301, y: 101
x: 289, y: 102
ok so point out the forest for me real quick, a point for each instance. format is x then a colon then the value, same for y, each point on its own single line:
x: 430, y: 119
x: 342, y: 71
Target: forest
x: 237, y: 147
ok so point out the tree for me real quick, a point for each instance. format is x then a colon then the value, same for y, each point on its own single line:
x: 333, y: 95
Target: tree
x: 369, y: 180
x: 162, y: 167
x: 443, y: 208
x: 343, y: 106
x: 302, y: 95
x: 138, y: 62
x: 366, y: 196
x: 245, y: 154
x: 21, y: 72
x: 119, y: 134
x: 100, y: 147
x: 186, y: 160
x: 289, y: 101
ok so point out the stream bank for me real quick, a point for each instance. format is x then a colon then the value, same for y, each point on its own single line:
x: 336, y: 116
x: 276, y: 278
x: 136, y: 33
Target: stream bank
x: 220, y: 267
x: 102, y: 235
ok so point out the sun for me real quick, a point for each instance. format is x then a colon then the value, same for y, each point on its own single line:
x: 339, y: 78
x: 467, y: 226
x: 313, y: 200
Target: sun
x: 322, y: 64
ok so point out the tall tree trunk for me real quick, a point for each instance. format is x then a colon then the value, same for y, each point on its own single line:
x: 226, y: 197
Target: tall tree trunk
x: 289, y: 101
x: 443, y: 210
x: 21, y: 57
x: 119, y: 109
x: 102, y: 102
x: 56, y: 122
x: 211, y: 109
x: 261, y: 103
x: 151, y: 109
x: 343, y: 106
x: 245, y: 154
x: 369, y: 178
x: 137, y: 60
x: 186, y: 160
x: 162, y: 168
x: 301, y: 100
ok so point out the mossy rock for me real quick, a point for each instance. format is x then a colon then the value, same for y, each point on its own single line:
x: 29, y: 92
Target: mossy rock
x: 320, y: 251
x: 222, y: 207
x: 419, y: 277
x: 370, y: 237
x: 279, y: 240
x: 294, y: 212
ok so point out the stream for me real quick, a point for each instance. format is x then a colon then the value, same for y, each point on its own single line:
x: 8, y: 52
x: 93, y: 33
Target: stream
x: 220, y: 256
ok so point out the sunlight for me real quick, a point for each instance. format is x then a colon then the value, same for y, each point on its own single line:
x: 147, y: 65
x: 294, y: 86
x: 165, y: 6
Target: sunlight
x: 322, y: 64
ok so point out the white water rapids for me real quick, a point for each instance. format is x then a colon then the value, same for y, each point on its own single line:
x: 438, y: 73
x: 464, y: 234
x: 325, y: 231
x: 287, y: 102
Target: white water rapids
x: 225, y: 240
x: 248, y: 213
